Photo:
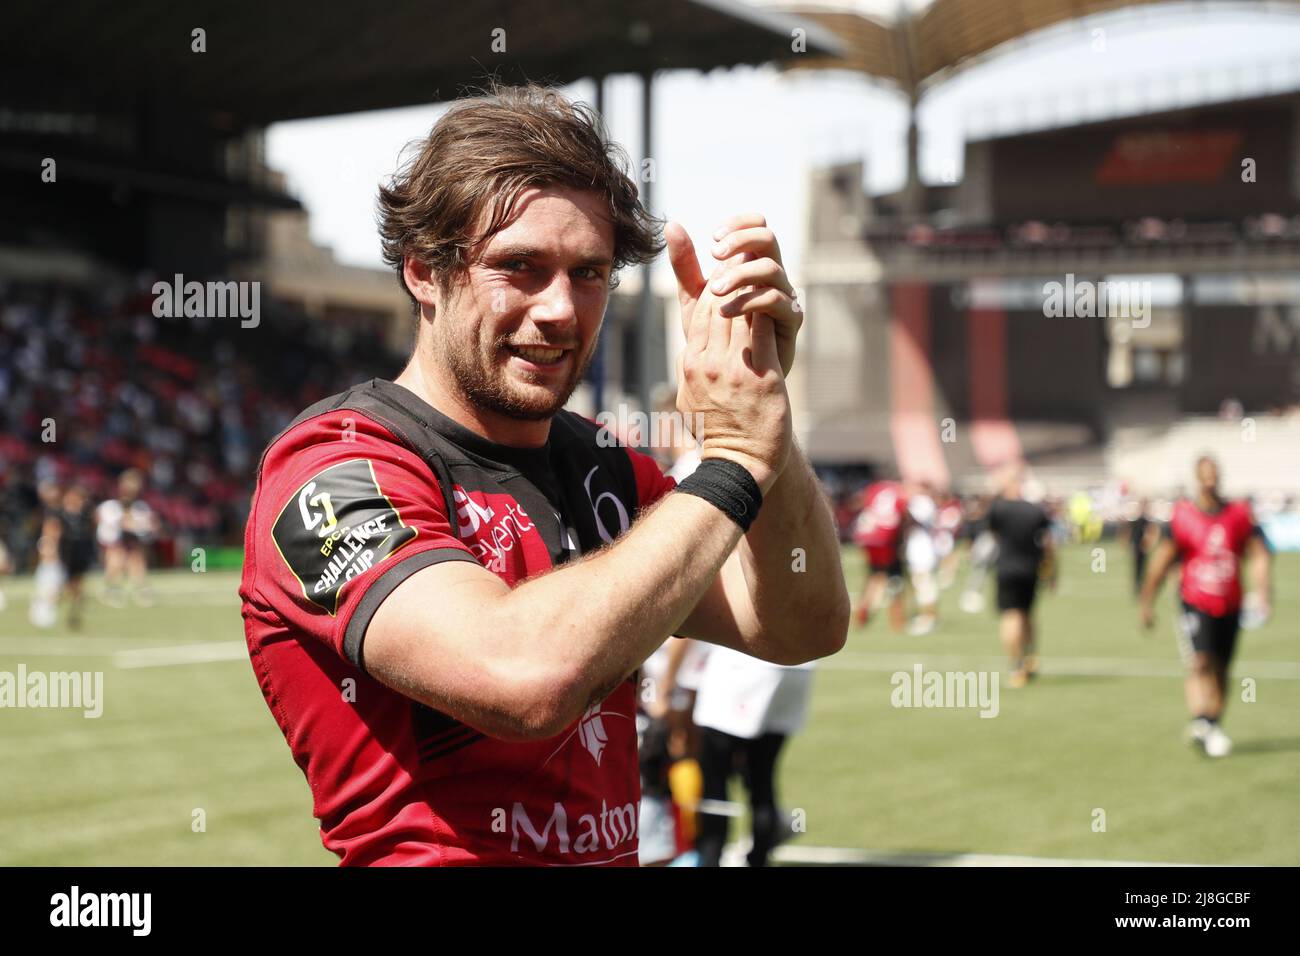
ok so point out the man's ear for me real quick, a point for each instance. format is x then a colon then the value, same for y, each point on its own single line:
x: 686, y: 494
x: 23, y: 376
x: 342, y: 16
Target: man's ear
x: 422, y: 283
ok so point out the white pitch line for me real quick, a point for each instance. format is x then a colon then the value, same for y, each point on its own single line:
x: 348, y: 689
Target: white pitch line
x: 1061, y: 666
x: 191, y: 583
x: 195, y: 598
x: 207, y: 653
x: 734, y: 855
x: 61, y: 645
x: 57, y: 646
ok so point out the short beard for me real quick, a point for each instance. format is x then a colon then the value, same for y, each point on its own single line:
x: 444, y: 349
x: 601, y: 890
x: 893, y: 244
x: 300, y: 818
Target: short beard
x: 475, y: 380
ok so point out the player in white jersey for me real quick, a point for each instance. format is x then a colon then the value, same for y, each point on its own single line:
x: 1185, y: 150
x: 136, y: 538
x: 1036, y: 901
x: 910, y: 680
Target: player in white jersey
x: 125, y: 527
x: 749, y: 708
x: 922, y: 559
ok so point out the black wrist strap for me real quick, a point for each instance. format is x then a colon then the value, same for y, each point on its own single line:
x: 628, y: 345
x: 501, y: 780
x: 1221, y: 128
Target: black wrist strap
x: 727, y: 486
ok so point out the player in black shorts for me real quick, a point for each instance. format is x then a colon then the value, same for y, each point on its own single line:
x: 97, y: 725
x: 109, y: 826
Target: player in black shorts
x: 1022, y: 529
x: 1210, y: 536
x: 68, y: 531
x: 1143, y: 534
x: 76, y: 548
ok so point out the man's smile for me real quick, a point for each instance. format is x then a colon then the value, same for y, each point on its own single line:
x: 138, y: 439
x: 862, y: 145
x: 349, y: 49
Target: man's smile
x: 540, y: 356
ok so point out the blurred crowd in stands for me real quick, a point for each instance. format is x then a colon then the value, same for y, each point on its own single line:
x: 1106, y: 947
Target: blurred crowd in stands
x: 92, y: 384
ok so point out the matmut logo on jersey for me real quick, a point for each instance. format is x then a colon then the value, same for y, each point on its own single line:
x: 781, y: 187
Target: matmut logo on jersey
x: 337, y: 525
x: 613, y: 828
x: 490, y: 531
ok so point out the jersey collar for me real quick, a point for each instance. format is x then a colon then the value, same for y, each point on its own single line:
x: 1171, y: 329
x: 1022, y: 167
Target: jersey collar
x: 525, y: 459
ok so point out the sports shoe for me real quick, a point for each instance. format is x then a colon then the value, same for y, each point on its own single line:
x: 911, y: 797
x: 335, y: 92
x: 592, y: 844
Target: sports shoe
x: 1217, y: 743
x: 1031, y: 665
x: 972, y: 602
x: 860, y: 615
x: 1018, y: 678
x: 921, y: 625
x: 1196, y: 733
x: 785, y: 831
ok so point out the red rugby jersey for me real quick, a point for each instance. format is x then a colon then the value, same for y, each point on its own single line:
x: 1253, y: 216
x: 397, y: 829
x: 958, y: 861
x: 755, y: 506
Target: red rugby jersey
x: 879, y: 524
x: 349, y: 503
x: 1211, y: 546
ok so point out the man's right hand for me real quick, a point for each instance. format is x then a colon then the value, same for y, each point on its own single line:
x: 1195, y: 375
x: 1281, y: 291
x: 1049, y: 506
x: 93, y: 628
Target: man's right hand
x: 730, y: 374
x: 1146, y: 615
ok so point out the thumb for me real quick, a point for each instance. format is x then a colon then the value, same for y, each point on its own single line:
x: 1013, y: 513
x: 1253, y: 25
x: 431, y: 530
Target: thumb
x: 686, y: 267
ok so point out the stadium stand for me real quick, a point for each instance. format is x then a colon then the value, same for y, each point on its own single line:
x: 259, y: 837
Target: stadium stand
x: 97, y: 384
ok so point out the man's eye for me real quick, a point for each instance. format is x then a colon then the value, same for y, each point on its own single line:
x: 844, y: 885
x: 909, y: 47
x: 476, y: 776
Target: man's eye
x: 589, y: 272
x: 514, y: 265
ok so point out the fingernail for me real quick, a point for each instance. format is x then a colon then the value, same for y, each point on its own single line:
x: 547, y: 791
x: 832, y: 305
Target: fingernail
x: 721, y: 250
x: 718, y: 286
x: 719, y: 232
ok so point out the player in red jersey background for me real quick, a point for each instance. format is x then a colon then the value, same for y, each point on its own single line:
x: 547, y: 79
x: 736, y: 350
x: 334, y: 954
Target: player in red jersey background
x: 879, y: 531
x: 1210, y: 536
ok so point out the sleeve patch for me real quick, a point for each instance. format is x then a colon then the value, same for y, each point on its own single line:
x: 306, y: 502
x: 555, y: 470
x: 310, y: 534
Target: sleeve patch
x: 337, y: 526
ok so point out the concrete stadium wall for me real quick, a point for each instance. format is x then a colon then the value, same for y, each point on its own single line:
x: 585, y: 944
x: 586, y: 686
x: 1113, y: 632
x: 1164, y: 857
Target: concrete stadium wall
x: 1255, y: 454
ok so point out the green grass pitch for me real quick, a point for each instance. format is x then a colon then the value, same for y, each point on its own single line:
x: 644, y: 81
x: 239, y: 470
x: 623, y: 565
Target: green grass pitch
x: 1100, y: 730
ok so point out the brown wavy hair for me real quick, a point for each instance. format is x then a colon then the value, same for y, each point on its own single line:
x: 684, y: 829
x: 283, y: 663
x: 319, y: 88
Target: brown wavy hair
x: 482, y: 154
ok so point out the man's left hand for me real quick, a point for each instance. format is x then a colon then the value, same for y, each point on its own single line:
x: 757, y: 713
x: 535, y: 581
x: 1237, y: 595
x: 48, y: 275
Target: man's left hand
x: 751, y: 267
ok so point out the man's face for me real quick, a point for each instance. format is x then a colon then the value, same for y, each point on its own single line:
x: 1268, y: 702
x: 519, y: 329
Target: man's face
x: 1207, y: 473
x: 520, y: 331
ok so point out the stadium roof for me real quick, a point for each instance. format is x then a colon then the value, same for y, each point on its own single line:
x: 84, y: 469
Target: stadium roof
x: 916, y: 43
x: 267, y: 61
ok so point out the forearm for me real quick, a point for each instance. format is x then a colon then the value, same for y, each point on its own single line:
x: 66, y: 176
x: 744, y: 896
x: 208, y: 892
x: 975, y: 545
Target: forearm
x: 596, y: 621
x: 1160, y: 566
x: 677, y: 648
x: 790, y: 560
x: 1260, y: 576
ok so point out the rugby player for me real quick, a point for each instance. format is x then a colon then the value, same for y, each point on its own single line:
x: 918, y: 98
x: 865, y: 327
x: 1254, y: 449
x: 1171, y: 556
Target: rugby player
x: 879, y: 531
x: 1209, y: 535
x: 450, y: 582
x: 1142, y: 532
x: 748, y: 709
x: 1023, y: 532
x: 69, y: 532
x: 922, y: 559
x: 125, y: 527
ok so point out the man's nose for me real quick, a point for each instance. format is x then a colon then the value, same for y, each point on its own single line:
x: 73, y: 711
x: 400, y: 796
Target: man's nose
x: 555, y: 306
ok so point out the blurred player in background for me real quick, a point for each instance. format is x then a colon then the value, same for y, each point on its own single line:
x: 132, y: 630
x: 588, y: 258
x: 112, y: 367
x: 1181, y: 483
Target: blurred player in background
x: 983, y: 552
x: 879, y: 530
x: 47, y: 583
x: 671, y: 782
x: 125, y: 526
x: 13, y: 516
x: 74, y: 527
x: 1143, y: 533
x: 922, y: 559
x: 1210, y: 535
x: 746, y: 709
x: 6, y: 568
x: 1084, y: 520
x: 947, y: 527
x: 659, y: 827
x: 1022, y: 529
